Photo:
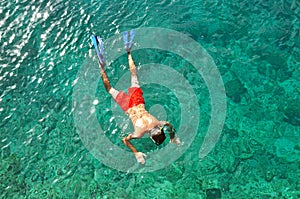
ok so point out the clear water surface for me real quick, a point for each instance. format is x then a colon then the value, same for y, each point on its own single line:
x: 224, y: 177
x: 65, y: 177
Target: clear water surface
x: 255, y: 45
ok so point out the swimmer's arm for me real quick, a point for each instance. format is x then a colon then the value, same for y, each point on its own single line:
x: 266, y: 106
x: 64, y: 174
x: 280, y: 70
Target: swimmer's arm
x: 174, y: 139
x: 138, y: 155
x: 128, y: 144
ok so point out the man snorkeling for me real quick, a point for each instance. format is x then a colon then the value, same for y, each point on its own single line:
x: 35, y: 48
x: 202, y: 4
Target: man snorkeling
x: 133, y: 103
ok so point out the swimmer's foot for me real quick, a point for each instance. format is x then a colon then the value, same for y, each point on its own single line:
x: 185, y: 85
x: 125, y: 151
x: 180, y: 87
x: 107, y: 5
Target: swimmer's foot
x: 99, y: 47
x: 128, y: 39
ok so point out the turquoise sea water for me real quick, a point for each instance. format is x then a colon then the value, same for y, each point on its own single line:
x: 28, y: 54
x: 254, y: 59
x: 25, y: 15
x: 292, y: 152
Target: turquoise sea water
x: 256, y: 47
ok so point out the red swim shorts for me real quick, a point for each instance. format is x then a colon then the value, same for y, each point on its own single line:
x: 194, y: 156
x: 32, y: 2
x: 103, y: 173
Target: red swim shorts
x: 133, y: 98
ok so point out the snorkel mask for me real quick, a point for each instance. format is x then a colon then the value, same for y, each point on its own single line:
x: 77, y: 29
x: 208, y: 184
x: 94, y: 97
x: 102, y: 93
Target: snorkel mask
x: 157, y: 134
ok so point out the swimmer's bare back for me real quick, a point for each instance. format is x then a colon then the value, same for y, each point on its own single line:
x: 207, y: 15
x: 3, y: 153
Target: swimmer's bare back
x: 141, y: 120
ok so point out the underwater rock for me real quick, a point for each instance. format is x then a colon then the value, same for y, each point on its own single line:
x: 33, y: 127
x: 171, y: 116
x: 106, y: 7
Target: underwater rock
x: 234, y: 165
x: 234, y: 90
x: 223, y: 70
x: 10, y: 176
x: 292, y: 113
x: 231, y: 132
x: 287, y: 150
x: 263, y: 69
x: 213, y: 193
x: 242, y: 149
x: 277, y: 60
x: 283, y: 74
x: 269, y: 175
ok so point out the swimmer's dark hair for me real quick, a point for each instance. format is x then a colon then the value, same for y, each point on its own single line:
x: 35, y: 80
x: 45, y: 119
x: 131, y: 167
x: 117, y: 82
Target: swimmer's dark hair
x: 157, y: 134
x: 159, y: 138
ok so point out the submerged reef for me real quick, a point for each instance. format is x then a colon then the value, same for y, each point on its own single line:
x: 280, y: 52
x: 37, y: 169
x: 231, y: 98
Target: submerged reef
x: 10, y: 176
x: 235, y: 89
x: 292, y: 112
x: 287, y: 150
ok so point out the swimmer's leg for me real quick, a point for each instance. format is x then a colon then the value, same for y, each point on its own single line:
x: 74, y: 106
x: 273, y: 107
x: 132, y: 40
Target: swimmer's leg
x: 128, y: 41
x: 132, y: 67
x: 113, y: 92
x: 99, y: 47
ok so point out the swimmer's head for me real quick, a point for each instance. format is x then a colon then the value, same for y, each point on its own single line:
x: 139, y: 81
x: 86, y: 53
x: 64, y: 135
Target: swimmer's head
x: 157, y: 134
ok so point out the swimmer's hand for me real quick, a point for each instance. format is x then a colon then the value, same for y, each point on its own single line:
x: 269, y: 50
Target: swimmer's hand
x: 175, y: 140
x: 140, y: 157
